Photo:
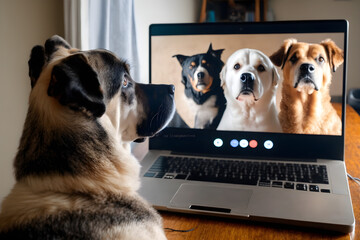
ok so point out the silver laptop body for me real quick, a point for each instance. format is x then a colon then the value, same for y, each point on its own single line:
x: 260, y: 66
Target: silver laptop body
x: 278, y: 197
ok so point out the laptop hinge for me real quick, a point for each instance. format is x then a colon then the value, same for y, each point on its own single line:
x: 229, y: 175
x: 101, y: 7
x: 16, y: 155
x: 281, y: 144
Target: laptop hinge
x: 244, y: 157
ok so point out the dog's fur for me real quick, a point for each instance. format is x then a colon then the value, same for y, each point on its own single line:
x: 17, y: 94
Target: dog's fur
x: 75, y: 175
x: 201, y: 77
x: 305, y: 104
x: 250, y: 81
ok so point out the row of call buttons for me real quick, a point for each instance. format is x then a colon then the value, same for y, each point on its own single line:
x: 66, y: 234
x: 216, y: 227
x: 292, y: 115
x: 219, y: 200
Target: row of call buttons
x: 243, y: 143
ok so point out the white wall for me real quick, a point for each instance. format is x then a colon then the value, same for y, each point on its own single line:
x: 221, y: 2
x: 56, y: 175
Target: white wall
x: 160, y: 11
x: 23, y: 24
x: 327, y: 9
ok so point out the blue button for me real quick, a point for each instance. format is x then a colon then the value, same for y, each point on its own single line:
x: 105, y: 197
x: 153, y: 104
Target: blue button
x: 234, y: 143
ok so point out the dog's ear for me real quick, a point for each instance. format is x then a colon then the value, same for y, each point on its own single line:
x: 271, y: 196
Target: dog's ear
x: 40, y: 55
x: 184, y: 80
x: 75, y: 84
x: 36, y: 63
x: 53, y: 44
x: 335, y: 54
x: 275, y: 76
x: 181, y: 58
x: 280, y: 56
x: 223, y: 76
x: 215, y: 53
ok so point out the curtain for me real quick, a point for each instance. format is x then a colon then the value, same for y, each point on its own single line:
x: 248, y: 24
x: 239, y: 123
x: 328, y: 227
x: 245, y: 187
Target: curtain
x: 107, y: 24
x: 72, y: 22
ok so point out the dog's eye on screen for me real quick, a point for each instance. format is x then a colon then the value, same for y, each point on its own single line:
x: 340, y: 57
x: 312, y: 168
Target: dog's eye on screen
x: 203, y: 61
x: 261, y: 68
x: 293, y: 59
x: 237, y: 66
x: 321, y: 59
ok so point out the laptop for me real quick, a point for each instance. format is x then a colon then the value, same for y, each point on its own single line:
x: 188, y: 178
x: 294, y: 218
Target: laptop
x: 252, y: 174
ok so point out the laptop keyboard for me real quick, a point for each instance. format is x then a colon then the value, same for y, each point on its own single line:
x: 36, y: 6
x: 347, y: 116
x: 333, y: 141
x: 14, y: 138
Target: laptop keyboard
x: 304, y: 177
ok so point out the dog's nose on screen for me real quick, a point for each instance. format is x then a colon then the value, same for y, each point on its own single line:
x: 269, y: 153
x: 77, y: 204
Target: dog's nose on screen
x: 247, y: 77
x: 247, y: 80
x: 201, y: 75
x: 307, y: 68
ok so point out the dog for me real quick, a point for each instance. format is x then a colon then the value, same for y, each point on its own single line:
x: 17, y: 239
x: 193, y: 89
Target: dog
x: 75, y: 175
x: 250, y: 82
x: 305, y: 105
x: 200, y: 76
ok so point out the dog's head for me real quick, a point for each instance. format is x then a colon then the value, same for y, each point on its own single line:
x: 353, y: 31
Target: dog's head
x: 95, y: 86
x: 307, y: 67
x: 201, y: 71
x: 248, y: 75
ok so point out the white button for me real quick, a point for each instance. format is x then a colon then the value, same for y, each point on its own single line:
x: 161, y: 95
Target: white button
x: 218, y: 142
x: 268, y: 144
x: 244, y: 143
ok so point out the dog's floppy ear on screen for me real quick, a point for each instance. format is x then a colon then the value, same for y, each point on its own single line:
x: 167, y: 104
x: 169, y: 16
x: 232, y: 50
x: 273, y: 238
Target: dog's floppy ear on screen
x: 280, y: 56
x: 75, y: 84
x: 181, y: 58
x: 223, y: 76
x: 275, y: 76
x: 335, y: 54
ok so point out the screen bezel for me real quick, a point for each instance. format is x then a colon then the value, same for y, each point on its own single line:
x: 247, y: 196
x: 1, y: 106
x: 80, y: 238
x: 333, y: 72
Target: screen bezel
x: 289, y: 146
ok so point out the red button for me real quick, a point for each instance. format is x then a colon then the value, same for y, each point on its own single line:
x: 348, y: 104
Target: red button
x: 253, y: 143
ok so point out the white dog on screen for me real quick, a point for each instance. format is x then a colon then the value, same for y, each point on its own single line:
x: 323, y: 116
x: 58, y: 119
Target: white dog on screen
x: 250, y: 81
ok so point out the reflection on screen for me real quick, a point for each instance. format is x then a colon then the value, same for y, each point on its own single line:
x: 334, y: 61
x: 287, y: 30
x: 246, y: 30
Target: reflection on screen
x: 288, y: 83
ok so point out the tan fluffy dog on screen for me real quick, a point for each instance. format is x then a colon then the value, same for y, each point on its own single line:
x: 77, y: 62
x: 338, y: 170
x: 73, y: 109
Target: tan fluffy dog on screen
x: 305, y: 106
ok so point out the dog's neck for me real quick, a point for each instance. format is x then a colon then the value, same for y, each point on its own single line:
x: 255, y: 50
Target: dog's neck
x: 254, y: 108
x: 200, y: 97
x: 315, y: 99
x: 261, y: 114
x: 305, y: 109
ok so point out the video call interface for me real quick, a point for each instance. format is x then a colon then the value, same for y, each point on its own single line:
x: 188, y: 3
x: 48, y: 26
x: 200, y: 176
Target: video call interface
x: 238, y: 82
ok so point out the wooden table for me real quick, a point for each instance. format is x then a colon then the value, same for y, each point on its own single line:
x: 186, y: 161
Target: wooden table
x: 208, y: 228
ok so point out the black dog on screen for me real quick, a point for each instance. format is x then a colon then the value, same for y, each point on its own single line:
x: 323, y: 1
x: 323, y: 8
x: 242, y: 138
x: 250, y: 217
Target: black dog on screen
x: 200, y: 75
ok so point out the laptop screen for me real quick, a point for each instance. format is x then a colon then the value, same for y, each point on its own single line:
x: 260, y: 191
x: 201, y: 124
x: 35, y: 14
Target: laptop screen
x: 256, y: 90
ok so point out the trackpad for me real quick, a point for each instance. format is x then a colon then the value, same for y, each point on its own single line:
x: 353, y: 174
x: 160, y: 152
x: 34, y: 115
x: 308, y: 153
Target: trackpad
x: 212, y: 198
